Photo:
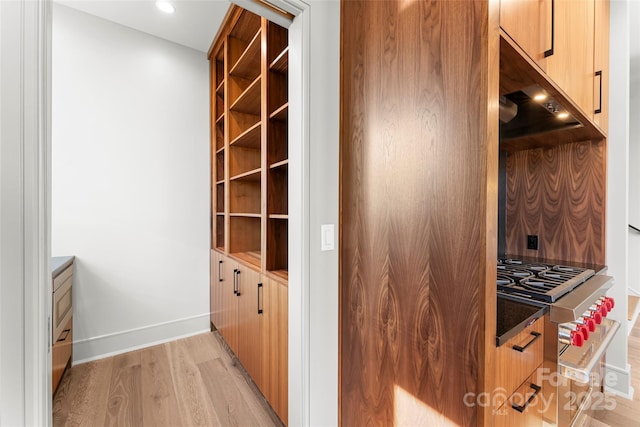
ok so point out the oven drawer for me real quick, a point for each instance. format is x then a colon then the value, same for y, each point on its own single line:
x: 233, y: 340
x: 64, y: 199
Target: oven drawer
x: 525, y: 407
x: 62, y: 302
x: 518, y: 358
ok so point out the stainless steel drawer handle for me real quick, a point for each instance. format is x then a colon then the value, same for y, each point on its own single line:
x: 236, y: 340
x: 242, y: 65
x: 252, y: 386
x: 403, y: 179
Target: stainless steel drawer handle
x: 64, y: 335
x: 536, y: 389
x: 536, y: 335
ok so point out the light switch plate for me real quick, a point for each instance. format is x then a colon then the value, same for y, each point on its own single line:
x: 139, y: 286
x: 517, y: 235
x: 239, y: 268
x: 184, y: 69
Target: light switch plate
x: 327, y: 240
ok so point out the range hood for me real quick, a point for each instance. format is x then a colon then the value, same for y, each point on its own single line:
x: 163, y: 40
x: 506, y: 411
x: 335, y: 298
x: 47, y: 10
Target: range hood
x: 532, y: 111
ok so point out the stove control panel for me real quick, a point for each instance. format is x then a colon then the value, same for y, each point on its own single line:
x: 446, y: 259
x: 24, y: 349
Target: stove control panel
x: 577, y: 332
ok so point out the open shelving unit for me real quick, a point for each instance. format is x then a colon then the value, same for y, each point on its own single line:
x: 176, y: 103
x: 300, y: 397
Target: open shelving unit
x: 249, y: 183
x: 250, y: 143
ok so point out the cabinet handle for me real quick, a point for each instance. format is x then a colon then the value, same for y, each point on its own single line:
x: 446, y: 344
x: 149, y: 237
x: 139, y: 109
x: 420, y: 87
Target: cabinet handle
x: 259, y: 292
x: 599, y: 109
x: 66, y: 334
x: 519, y: 408
x: 220, y: 271
x: 536, y: 335
x: 237, y: 283
x: 549, y: 52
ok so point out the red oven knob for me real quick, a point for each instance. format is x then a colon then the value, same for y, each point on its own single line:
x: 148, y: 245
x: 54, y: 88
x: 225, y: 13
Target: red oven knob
x: 599, y: 309
x: 570, y: 336
x: 611, y: 301
x: 584, y: 331
x: 608, y: 302
x: 604, y: 302
x: 589, y: 323
x: 596, y: 316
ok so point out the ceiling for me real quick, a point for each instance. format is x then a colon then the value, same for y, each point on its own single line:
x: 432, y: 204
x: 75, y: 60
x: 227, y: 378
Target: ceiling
x: 194, y: 23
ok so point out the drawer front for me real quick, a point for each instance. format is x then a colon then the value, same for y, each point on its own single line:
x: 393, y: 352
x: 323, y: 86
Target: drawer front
x: 61, y: 354
x: 518, y: 358
x: 525, y: 407
x: 62, y: 306
x: 62, y: 277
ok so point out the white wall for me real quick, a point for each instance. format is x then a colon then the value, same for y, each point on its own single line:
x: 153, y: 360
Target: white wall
x: 130, y: 185
x: 634, y: 149
x: 617, y: 196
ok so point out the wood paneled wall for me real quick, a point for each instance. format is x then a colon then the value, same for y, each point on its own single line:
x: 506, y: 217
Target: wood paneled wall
x: 558, y: 194
x: 419, y: 160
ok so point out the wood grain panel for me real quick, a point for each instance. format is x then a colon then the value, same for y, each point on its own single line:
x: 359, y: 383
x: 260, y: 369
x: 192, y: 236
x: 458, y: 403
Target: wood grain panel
x: 566, y: 209
x: 413, y: 200
x: 249, y: 323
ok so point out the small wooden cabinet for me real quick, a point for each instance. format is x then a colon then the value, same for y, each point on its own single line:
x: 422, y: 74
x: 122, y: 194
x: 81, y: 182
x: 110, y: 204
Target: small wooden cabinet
x: 569, y: 40
x: 525, y: 407
x: 62, y: 318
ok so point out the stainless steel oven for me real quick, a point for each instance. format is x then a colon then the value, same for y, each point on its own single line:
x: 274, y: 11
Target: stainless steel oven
x: 577, y: 333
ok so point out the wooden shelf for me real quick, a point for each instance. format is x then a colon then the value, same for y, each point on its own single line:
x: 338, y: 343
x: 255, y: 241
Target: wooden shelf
x: 248, y: 65
x: 245, y: 215
x: 220, y: 182
x: 220, y: 150
x: 278, y: 216
x: 250, y: 257
x: 220, y: 119
x: 220, y: 213
x: 281, y: 63
x: 249, y: 138
x: 249, y: 101
x: 252, y: 175
x: 280, y: 274
x: 280, y: 164
x: 282, y: 113
x: 220, y: 89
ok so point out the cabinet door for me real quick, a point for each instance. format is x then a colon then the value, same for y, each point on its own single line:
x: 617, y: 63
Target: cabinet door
x: 524, y: 408
x: 275, y: 346
x: 528, y: 23
x: 228, y: 317
x: 249, y: 345
x: 518, y: 357
x: 601, y: 65
x: 571, y: 65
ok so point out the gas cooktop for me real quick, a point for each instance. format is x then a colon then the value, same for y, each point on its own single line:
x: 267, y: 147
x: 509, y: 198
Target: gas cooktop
x: 538, y: 281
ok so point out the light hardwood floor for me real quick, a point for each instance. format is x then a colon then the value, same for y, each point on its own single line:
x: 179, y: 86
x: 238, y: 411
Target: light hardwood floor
x: 627, y: 412
x: 188, y: 382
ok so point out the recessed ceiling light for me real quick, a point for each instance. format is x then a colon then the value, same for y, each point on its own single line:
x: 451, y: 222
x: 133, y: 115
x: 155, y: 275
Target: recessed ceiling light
x: 165, y: 6
x: 540, y: 97
x: 563, y: 115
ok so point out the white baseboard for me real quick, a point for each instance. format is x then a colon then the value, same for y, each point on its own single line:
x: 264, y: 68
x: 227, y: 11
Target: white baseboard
x: 619, y: 381
x: 99, y: 347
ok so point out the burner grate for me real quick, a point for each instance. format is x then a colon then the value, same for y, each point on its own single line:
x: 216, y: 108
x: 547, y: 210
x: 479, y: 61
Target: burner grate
x: 542, y: 282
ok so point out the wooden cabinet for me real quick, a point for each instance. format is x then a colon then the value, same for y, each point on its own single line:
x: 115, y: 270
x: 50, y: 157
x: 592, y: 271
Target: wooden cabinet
x: 249, y: 193
x: 518, y: 358
x: 274, y: 345
x: 601, y: 65
x: 62, y: 321
x: 568, y: 39
x: 525, y: 407
x: 248, y: 288
x: 250, y: 310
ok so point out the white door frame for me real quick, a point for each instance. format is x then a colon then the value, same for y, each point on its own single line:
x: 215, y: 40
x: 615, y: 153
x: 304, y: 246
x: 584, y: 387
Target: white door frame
x: 25, y: 177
